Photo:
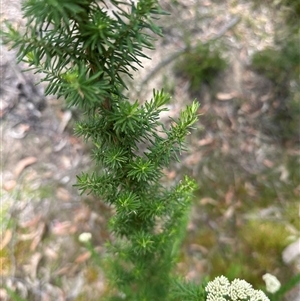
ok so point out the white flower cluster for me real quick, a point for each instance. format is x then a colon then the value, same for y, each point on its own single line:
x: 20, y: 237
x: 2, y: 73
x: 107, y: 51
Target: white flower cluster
x: 220, y: 289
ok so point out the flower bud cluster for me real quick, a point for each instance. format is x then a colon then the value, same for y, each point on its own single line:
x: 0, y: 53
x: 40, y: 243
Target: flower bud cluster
x: 220, y: 289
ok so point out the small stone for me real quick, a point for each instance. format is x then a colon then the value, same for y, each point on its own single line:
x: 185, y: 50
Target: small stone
x: 291, y: 252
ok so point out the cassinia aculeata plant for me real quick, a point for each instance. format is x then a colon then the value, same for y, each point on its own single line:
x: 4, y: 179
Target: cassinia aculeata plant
x: 83, y: 49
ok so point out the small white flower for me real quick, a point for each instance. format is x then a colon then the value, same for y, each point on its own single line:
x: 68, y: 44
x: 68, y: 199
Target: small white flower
x: 85, y: 237
x: 272, y: 283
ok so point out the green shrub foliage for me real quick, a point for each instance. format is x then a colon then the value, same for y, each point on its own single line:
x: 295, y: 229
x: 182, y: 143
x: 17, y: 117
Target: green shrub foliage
x: 200, y: 65
x: 82, y: 49
x: 282, y: 67
x: 279, y: 65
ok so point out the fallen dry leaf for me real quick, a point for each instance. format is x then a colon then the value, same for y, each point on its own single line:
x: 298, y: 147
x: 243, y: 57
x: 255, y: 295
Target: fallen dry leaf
x: 63, y: 228
x: 54, y: 293
x: 229, y: 195
x: 63, y: 271
x: 229, y: 212
x: 284, y: 173
x: 31, y: 223
x: 50, y: 253
x: 66, y: 117
x: 82, y: 214
x: 3, y: 293
x: 170, y: 174
x: 27, y: 236
x: 39, y: 235
x: 207, y: 200
x: 9, y: 185
x: 63, y: 194
x: 20, y: 131
x: 83, y: 257
x: 22, y: 164
x: 268, y: 163
x: 66, y: 162
x: 206, y: 141
x: 35, y: 235
x: 69, y: 269
x: 6, y: 239
x: 198, y: 248
x: 226, y: 96
x: 193, y: 159
x: 297, y: 191
x: 31, y: 268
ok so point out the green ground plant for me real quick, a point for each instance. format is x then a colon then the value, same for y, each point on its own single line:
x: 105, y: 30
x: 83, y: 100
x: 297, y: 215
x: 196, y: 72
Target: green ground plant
x: 281, y: 65
x: 200, y: 65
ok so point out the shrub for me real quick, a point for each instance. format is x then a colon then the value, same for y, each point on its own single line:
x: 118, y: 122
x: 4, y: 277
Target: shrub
x: 82, y: 49
x: 200, y: 65
x: 282, y: 67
